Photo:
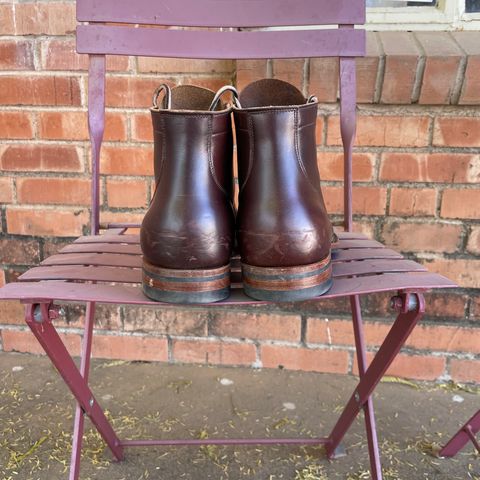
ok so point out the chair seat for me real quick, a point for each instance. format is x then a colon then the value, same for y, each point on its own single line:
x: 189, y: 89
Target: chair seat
x: 108, y: 269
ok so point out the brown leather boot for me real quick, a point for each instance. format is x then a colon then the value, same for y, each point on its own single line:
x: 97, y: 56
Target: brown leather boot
x: 188, y: 232
x: 283, y: 230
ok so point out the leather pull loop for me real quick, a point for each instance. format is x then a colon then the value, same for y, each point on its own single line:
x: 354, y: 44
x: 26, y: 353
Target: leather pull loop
x: 167, y: 99
x: 220, y: 92
x: 312, y: 99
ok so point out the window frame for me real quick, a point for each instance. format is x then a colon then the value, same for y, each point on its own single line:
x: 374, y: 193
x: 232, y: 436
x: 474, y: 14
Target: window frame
x: 448, y: 15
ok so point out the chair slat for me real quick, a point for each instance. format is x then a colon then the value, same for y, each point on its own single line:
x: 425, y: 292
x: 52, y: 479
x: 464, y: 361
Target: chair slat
x: 132, y: 295
x: 223, y: 13
x: 363, y: 254
x: 102, y: 247
x: 106, y: 259
x: 157, y: 42
x: 133, y: 239
x: 81, y: 273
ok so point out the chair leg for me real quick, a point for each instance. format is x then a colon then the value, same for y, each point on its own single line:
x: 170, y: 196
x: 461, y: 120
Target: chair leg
x: 39, y: 320
x: 78, y: 425
x: 462, y: 437
x: 412, y: 307
x: 371, y: 428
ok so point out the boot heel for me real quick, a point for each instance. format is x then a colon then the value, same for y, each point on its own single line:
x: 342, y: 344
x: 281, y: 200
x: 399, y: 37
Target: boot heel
x: 185, y: 286
x: 287, y: 284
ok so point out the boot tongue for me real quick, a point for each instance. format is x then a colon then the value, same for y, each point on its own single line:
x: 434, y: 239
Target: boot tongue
x: 271, y: 92
x: 190, y: 97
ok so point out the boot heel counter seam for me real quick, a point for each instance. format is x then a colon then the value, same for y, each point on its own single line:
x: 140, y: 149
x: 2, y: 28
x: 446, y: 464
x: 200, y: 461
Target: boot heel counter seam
x: 298, y: 154
x: 210, y: 156
x: 251, y: 141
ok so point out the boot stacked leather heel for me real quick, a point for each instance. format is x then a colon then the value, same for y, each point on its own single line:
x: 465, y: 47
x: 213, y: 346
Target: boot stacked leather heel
x: 283, y: 230
x: 188, y: 232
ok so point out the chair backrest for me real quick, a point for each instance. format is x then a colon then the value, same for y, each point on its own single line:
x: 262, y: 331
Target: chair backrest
x: 144, y: 27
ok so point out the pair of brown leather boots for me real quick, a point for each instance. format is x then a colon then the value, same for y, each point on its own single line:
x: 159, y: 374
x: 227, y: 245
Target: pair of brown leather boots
x: 281, y: 228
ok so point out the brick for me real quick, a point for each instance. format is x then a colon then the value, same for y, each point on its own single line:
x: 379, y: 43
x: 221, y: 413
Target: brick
x: 324, y: 79
x: 7, y: 19
x: 16, y: 55
x: 63, y: 125
x: 367, y: 227
x: 50, y: 18
x: 178, y: 65
x: 446, y: 305
x: 411, y: 202
x: 44, y: 158
x: 473, y: 245
x: 367, y: 68
x: 289, y: 70
x: 465, y: 272
x: 171, y: 321
x: 415, y: 367
x: 74, y: 126
x: 127, y: 193
x: 422, y: 237
x: 401, y: 61
x: 19, y: 252
x: 130, y: 348
x: 469, y: 42
x: 442, y: 63
x: 467, y: 371
x: 51, y: 246
x: 127, y: 161
x: 384, y: 131
x: 366, y: 200
x: 216, y: 353
x: 12, y: 312
x: 61, y: 55
x: 248, y: 71
x: 107, y: 317
x: 123, y: 217
x: 456, y: 132
x: 131, y: 91
x: 445, y: 339
x: 56, y: 222
x: 307, y: 360
x: 256, y: 326
x: 330, y: 165
x: 6, y: 190
x: 436, y: 167
x: 25, y: 342
x: 15, y: 125
x: 460, y: 204
x: 58, y: 191
x: 2, y: 282
x: 319, y: 130
x: 340, y: 332
x: 142, y: 130
x: 38, y: 90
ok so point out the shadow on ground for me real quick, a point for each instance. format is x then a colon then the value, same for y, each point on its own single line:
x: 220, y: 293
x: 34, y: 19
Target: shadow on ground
x: 148, y: 400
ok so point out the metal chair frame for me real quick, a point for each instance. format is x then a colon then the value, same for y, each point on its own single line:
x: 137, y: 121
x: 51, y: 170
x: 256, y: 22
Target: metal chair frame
x: 85, y: 270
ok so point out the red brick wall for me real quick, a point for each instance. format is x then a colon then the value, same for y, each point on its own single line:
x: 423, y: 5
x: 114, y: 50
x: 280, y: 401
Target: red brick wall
x: 416, y: 171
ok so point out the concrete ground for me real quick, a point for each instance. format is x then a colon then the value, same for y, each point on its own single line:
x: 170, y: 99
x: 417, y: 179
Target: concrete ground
x: 147, y: 400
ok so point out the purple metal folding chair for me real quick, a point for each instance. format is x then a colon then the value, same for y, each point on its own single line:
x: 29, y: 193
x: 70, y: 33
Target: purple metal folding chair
x: 107, y: 268
x: 462, y: 437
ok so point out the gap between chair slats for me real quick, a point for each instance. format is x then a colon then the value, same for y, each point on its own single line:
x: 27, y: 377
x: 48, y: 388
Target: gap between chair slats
x: 132, y: 295
x: 157, y: 42
x: 222, y: 13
